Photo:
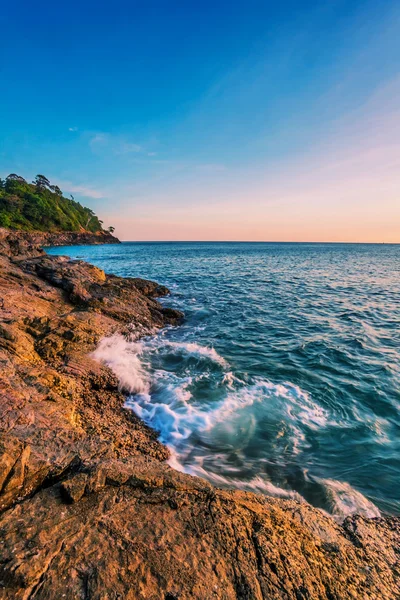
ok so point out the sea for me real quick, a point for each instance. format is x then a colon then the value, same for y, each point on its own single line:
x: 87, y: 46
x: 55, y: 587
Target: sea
x: 283, y: 379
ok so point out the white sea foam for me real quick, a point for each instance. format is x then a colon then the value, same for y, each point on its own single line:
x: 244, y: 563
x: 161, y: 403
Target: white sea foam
x: 276, y: 399
x: 229, y: 379
x: 164, y: 401
x: 173, y: 416
x: 123, y: 358
x: 344, y: 500
x: 256, y: 484
x: 176, y: 415
x: 170, y: 409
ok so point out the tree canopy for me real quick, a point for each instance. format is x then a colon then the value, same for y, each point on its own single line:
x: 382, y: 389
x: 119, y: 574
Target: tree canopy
x: 41, y: 206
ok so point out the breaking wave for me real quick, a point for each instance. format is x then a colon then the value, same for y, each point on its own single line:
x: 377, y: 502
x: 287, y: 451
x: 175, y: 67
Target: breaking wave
x: 123, y: 358
x: 343, y: 500
x: 237, y: 434
x: 285, y: 375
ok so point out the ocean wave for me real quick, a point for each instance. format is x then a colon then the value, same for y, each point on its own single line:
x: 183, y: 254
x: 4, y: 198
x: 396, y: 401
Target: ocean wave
x: 123, y: 358
x: 191, y: 428
x: 171, y: 394
x: 164, y: 400
x: 343, y: 500
x: 256, y: 484
x: 207, y: 439
x: 193, y: 350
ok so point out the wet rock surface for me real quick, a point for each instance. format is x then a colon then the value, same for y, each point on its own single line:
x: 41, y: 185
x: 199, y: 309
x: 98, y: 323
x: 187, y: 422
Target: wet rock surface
x: 88, y: 506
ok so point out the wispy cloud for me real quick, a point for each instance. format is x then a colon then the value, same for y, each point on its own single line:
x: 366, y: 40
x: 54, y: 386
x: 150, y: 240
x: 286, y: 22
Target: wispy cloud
x: 102, y: 142
x: 72, y: 129
x: 98, y: 141
x: 82, y: 189
x: 127, y: 148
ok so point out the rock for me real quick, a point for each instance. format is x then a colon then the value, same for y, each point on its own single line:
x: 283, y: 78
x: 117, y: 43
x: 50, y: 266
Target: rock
x: 88, y: 506
x: 73, y: 489
x: 128, y: 300
x: 30, y: 243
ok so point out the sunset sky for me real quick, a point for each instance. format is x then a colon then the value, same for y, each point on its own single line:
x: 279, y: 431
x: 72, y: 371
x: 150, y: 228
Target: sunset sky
x: 246, y: 120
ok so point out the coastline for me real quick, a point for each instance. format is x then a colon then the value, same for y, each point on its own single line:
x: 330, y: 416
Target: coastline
x: 29, y: 243
x: 87, y: 481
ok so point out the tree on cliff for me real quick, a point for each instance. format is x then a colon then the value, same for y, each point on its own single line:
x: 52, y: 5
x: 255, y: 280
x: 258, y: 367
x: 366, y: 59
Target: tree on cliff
x: 41, y: 182
x: 42, y: 206
x: 14, y: 177
x: 56, y: 190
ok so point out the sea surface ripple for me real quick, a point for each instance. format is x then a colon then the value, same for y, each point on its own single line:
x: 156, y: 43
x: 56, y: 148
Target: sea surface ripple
x: 284, y: 377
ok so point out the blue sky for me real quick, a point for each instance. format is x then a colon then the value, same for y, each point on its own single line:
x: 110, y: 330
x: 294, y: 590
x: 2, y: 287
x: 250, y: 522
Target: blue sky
x: 211, y: 120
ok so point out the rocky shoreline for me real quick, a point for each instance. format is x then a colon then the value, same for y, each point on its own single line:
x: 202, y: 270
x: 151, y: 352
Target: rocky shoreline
x: 89, y: 508
x: 20, y: 243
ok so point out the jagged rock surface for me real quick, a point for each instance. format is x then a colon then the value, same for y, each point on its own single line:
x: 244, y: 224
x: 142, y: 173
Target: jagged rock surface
x: 88, y: 507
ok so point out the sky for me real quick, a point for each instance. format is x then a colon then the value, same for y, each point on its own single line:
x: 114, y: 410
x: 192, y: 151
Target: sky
x: 183, y: 120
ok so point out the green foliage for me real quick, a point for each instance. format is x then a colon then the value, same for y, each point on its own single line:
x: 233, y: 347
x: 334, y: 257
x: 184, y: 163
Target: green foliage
x: 41, y: 206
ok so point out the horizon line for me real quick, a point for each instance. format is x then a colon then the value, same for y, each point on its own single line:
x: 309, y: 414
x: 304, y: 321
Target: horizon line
x: 252, y: 242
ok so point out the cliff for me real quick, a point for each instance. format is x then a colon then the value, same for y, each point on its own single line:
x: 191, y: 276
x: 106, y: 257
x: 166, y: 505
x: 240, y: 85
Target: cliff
x: 88, y: 506
x: 41, y: 206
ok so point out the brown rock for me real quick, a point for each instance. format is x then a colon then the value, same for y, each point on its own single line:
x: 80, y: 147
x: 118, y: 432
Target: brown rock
x: 73, y: 489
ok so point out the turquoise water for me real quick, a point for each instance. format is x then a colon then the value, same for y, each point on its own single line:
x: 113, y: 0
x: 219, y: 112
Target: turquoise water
x: 284, y: 377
